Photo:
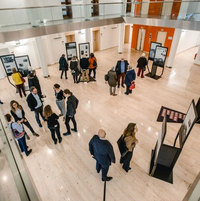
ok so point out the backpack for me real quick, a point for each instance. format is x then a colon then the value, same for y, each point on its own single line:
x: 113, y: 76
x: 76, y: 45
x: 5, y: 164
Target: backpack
x: 16, y: 133
x: 106, y: 77
x: 94, y: 63
x: 122, y: 146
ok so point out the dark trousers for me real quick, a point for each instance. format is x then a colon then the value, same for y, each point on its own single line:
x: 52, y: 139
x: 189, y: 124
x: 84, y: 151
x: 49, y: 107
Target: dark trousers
x: 140, y: 70
x: 104, y: 170
x: 55, y: 130
x: 22, y: 144
x: 128, y: 90
x: 76, y: 78
x: 63, y: 72
x: 39, y: 111
x: 94, y: 72
x: 21, y: 89
x: 67, y: 123
x: 119, y: 77
x: 27, y: 124
x: 126, y: 160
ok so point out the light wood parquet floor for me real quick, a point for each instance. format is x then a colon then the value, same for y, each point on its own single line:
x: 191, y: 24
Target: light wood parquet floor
x: 66, y: 171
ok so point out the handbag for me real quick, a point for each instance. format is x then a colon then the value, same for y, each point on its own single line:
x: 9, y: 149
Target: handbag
x: 16, y: 133
x: 132, y: 86
x: 23, y: 80
x: 122, y: 146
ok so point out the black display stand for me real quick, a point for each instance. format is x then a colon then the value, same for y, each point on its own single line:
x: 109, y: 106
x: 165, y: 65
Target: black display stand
x: 198, y: 111
x: 152, y: 74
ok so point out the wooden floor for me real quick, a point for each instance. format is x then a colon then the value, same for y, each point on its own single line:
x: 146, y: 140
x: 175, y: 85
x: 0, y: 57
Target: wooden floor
x: 66, y: 171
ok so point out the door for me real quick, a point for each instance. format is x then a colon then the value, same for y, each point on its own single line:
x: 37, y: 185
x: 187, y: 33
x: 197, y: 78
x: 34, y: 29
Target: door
x: 140, y: 39
x: 70, y: 38
x: 127, y: 34
x: 161, y: 37
x: 96, y: 40
x: 155, y: 8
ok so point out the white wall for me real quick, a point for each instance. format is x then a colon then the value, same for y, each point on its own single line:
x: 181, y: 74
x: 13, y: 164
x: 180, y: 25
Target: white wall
x: 4, y: 51
x: 188, y: 40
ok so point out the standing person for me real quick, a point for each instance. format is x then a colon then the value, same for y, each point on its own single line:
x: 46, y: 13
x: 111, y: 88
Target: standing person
x: 52, y: 122
x: 18, y: 133
x: 72, y: 104
x: 17, y: 78
x: 121, y: 68
x: 84, y: 64
x: 63, y: 66
x: 92, y: 65
x: 35, y: 104
x: 19, y: 116
x: 129, y: 79
x: 142, y: 62
x: 33, y: 81
x: 112, y: 81
x: 74, y: 69
x: 131, y: 141
x: 60, y: 99
x: 102, y: 151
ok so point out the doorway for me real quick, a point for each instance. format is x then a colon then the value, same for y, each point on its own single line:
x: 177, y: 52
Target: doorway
x: 161, y: 37
x: 140, y: 39
x: 70, y: 38
x: 127, y: 34
x: 96, y: 40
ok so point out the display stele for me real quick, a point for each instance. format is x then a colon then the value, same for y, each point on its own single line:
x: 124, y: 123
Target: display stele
x: 152, y: 50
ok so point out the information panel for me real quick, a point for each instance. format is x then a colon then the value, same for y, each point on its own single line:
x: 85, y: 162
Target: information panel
x: 23, y: 64
x: 84, y: 48
x: 160, y: 56
x: 152, y: 50
x: 71, y: 50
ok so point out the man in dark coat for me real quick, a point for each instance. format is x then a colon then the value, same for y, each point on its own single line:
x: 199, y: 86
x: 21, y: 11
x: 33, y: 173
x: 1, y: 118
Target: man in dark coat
x: 63, y: 66
x: 102, y: 151
x: 130, y: 77
x: 35, y: 104
x: 84, y: 64
x: 121, y: 69
x: 72, y: 104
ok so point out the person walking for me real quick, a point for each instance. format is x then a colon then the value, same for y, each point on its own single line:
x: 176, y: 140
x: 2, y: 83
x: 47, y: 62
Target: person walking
x: 18, y: 113
x: 142, y: 62
x: 121, y: 68
x: 53, y: 124
x: 112, y: 81
x: 102, y: 151
x: 129, y: 79
x: 92, y: 65
x: 130, y: 140
x: 74, y: 69
x: 72, y: 104
x: 63, y: 66
x: 18, y: 133
x: 84, y: 64
x: 17, y: 79
x: 60, y: 99
x: 35, y: 104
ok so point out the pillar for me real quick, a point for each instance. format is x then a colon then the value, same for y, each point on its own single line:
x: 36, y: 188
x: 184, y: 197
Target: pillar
x: 121, y: 38
x: 174, y: 46
x: 89, y: 38
x: 42, y: 56
x: 87, y: 9
x: 197, y: 60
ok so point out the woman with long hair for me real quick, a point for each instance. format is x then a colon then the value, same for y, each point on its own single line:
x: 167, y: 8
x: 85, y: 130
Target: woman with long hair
x: 74, y: 69
x: 92, y: 65
x: 131, y: 141
x: 52, y: 122
x: 19, y: 116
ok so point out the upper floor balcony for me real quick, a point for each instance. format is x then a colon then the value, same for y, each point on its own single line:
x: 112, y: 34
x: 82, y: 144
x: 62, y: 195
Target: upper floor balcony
x: 26, y: 22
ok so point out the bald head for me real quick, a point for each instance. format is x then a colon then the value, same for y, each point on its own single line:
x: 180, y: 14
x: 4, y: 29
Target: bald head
x: 122, y: 59
x: 101, y: 133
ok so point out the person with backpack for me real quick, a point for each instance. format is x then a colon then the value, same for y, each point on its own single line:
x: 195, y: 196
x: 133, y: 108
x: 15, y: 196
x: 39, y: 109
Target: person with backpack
x: 92, y: 65
x: 112, y: 81
x: 72, y: 104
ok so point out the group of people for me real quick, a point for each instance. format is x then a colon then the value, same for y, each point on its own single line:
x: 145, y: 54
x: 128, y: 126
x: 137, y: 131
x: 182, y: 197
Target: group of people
x: 79, y: 70
x: 124, y: 73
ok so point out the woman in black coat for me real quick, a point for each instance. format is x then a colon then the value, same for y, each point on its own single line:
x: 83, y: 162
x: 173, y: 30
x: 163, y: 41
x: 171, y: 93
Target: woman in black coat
x: 142, y: 62
x: 63, y: 66
x: 74, y: 69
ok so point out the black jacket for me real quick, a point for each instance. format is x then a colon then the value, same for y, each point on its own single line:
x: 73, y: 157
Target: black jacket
x: 32, y: 103
x: 142, y: 62
x: 72, y: 103
x: 118, y: 67
x: 63, y: 64
x: 16, y: 117
x: 84, y: 63
x: 33, y: 81
x: 102, y: 150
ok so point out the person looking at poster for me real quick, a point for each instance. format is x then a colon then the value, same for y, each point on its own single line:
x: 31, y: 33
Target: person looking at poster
x: 142, y: 62
x: 93, y: 65
x: 63, y: 66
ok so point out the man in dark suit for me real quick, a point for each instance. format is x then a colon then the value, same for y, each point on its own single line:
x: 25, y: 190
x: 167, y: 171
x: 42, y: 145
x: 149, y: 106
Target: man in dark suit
x: 84, y: 64
x: 102, y: 151
x: 121, y: 69
x: 35, y: 104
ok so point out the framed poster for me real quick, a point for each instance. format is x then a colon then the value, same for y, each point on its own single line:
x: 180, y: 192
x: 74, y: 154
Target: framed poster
x: 71, y: 50
x: 8, y: 62
x: 23, y: 64
x: 84, y: 48
x: 160, y: 56
x: 152, y: 50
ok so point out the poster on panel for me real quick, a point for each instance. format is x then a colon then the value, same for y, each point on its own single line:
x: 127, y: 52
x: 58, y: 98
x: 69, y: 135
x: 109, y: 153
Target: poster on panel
x: 152, y: 50
x: 71, y: 50
x: 23, y: 64
x: 84, y: 48
x: 187, y: 124
x: 160, y: 56
x: 8, y: 62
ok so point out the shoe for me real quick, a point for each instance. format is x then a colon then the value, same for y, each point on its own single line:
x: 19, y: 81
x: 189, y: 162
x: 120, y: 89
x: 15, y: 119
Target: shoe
x: 35, y: 134
x: 123, y: 86
x: 55, y: 142
x: 118, y: 86
x: 129, y: 168
x: 29, y: 152
x: 60, y: 77
x: 27, y: 137
x: 65, y: 78
x: 107, y: 179
x: 1, y: 102
x: 142, y: 77
x: 74, y: 130
x: 40, y: 125
x: 98, y: 170
x: 60, y: 140
x: 114, y: 94
x: 64, y: 118
x: 60, y: 115
x: 126, y: 170
x: 111, y: 94
x: 65, y: 134
x: 126, y: 93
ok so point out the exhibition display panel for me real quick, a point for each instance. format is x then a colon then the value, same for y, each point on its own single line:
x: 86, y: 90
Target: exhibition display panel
x: 23, y: 64
x: 152, y: 50
x: 84, y: 48
x: 71, y: 50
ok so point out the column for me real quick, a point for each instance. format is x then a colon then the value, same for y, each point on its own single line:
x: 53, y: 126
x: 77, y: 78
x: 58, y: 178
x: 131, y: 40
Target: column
x: 87, y: 9
x: 197, y: 60
x: 174, y: 46
x: 89, y: 38
x: 42, y: 56
x: 121, y: 38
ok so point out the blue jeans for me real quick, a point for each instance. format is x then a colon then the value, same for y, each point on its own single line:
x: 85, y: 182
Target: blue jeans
x: 61, y: 106
x: 22, y: 144
x: 38, y: 112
